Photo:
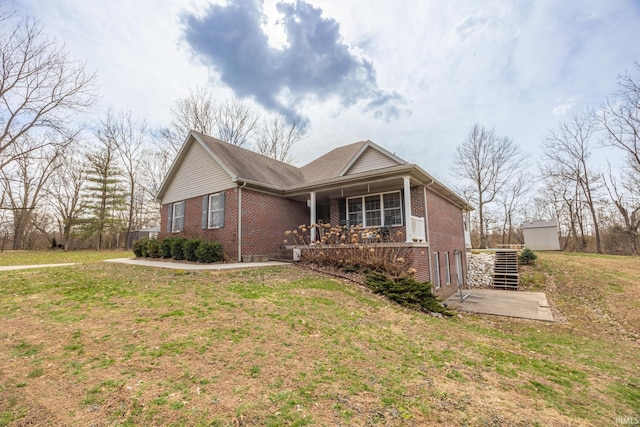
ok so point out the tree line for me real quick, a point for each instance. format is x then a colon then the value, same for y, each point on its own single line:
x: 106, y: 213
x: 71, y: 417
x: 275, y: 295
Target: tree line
x: 74, y: 184
x: 77, y: 184
x: 597, y: 207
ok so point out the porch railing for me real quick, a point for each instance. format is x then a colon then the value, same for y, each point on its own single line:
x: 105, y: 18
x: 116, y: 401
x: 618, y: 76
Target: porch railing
x: 417, y: 226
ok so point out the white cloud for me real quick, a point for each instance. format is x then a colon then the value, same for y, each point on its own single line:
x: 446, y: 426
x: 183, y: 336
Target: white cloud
x: 517, y: 66
x: 564, y: 107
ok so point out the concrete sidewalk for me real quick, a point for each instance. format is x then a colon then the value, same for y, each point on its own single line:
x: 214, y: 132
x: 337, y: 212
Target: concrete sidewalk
x: 525, y: 305
x: 189, y: 266
x: 24, y: 267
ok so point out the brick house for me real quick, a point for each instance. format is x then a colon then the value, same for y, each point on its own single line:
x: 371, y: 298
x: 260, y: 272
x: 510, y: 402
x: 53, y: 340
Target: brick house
x: 247, y: 201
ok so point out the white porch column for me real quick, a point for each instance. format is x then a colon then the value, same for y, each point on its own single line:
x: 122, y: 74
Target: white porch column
x: 312, y: 219
x: 407, y: 208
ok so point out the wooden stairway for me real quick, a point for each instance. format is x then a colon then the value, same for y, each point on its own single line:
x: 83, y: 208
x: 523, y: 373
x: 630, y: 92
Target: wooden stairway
x: 505, y: 270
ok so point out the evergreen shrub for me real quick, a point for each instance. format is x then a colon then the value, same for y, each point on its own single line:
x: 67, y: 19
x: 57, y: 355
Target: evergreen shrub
x: 406, y: 292
x: 190, y: 247
x: 527, y: 256
x: 208, y: 252
x: 177, y: 248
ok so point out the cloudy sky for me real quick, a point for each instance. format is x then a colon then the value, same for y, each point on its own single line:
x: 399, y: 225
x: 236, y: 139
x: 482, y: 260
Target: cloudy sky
x: 412, y: 76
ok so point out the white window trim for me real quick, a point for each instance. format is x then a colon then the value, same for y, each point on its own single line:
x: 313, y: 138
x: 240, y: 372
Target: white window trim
x: 447, y: 268
x: 363, y: 212
x: 210, y: 210
x: 436, y: 262
x: 175, y: 217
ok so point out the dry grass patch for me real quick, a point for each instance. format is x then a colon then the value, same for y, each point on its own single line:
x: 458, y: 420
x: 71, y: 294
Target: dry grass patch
x: 108, y: 344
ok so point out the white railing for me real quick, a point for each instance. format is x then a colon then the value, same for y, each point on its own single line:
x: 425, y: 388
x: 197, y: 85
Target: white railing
x: 418, y: 230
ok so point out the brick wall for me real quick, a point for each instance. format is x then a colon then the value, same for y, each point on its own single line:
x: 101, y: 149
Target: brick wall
x: 446, y: 234
x: 265, y: 218
x: 227, y: 235
x: 417, y: 201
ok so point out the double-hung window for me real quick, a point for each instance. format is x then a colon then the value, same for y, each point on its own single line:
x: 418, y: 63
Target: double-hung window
x: 177, y: 219
x: 216, y: 210
x: 354, y: 209
x: 392, y: 209
x: 378, y: 210
x: 436, y: 269
x: 447, y: 267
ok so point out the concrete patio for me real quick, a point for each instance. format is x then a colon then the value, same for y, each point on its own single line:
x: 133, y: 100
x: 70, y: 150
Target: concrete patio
x: 525, y: 305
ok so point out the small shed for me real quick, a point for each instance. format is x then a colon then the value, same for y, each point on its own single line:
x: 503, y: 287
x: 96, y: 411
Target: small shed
x: 541, y: 235
x: 143, y: 233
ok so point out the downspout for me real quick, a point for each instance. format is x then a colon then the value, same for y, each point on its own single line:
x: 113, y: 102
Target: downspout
x: 426, y: 220
x: 240, y: 221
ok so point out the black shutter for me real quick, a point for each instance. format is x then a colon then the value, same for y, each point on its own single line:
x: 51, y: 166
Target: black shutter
x: 205, y: 211
x: 342, y: 212
x: 169, y: 217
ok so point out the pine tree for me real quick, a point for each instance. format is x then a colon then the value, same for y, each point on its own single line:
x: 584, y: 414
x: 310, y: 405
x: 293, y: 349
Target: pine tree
x: 105, y: 192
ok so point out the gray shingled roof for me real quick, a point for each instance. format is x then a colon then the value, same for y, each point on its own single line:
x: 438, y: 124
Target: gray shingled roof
x: 331, y: 164
x: 249, y: 165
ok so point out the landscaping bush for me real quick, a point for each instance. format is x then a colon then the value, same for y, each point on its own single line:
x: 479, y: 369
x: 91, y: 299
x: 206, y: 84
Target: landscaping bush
x: 351, y: 249
x: 139, y: 246
x: 527, y: 256
x: 144, y: 247
x: 190, y: 247
x: 177, y: 248
x: 209, y: 252
x: 406, y: 292
x: 153, y: 248
x: 165, y: 247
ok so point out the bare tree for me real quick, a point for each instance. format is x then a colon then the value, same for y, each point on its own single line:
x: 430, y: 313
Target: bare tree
x: 567, y: 154
x: 628, y: 205
x: 129, y: 139
x: 65, y: 194
x: 489, y: 162
x: 24, y: 185
x: 236, y: 122
x: 197, y: 111
x: 41, y: 87
x: 511, y: 200
x: 621, y: 120
x: 277, y: 136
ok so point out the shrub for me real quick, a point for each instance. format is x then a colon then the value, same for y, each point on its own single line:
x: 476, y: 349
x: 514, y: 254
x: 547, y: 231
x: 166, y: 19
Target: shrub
x: 138, y: 247
x: 527, y: 256
x: 209, y: 252
x: 165, y: 247
x: 153, y: 248
x: 353, y: 249
x: 406, y: 292
x: 190, y: 247
x: 177, y: 248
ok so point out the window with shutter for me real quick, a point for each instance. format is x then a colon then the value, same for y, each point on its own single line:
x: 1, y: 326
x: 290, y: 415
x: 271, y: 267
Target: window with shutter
x: 216, y: 210
x: 177, y: 222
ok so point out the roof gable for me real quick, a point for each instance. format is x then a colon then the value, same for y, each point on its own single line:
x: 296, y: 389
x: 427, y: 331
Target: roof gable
x: 349, y: 159
x: 371, y: 158
x: 247, y: 165
x: 211, y: 176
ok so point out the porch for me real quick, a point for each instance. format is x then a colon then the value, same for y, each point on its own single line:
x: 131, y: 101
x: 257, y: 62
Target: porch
x: 395, y: 206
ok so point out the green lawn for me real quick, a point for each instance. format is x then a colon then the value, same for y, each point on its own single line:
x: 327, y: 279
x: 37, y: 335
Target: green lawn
x: 8, y: 258
x: 112, y: 344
